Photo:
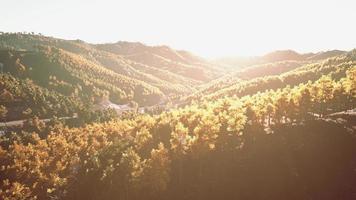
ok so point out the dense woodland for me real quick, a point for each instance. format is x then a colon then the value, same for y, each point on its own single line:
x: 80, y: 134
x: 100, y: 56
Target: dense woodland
x: 237, y: 85
x: 276, y: 133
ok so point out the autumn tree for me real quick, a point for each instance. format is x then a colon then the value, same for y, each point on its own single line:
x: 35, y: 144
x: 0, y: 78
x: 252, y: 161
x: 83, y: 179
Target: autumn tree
x: 3, y: 112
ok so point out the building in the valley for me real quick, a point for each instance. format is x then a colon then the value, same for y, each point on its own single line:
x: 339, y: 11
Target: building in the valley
x: 106, y: 104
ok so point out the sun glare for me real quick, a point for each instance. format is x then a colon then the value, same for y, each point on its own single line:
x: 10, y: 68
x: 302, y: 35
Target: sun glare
x: 207, y: 28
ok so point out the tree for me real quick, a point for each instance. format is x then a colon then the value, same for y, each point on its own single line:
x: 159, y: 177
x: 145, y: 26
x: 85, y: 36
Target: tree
x: 281, y: 105
x: 292, y: 109
x: 180, y: 143
x: 326, y: 86
x: 270, y: 112
x: 156, y: 172
x: 350, y: 86
x: 34, y: 124
x: 340, y: 97
x: 3, y: 112
x: 250, y: 112
x: 305, y: 101
x: 132, y: 169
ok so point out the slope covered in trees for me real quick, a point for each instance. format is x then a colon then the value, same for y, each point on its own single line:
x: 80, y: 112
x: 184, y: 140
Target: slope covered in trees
x: 278, y: 129
x: 235, y: 86
x: 163, y: 68
x: 272, y: 145
x: 180, y: 62
x: 186, y: 71
x: 276, y: 56
x: 73, y: 75
x: 23, y: 98
x: 252, y: 72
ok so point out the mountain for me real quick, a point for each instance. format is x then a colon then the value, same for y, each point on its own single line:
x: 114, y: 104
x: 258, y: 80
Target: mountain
x: 324, y: 54
x: 276, y: 56
x: 160, y: 70
x: 129, y: 121
x: 273, y: 76
x: 180, y: 62
x: 281, y: 56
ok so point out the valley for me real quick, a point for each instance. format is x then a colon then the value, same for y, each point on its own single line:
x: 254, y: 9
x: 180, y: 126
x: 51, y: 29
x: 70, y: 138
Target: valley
x: 130, y: 121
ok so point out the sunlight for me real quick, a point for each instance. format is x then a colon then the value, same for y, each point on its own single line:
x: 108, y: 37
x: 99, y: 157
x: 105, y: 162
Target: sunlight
x: 177, y: 99
x: 207, y: 28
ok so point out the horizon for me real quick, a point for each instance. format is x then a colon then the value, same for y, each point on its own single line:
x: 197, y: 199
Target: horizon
x: 244, y: 29
x: 158, y: 45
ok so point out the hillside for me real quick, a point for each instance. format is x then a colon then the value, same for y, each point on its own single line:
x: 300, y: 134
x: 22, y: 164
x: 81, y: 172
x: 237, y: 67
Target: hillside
x: 129, y: 121
x: 68, y: 73
x: 236, y: 85
x: 235, y: 146
x: 131, y: 48
x: 276, y: 56
x: 23, y: 98
x: 179, y: 62
x: 171, y: 77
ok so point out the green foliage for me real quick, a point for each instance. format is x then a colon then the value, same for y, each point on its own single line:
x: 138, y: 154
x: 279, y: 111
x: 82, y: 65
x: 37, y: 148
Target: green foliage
x: 264, y: 138
x: 233, y: 86
x: 172, y: 72
x: 155, y: 157
x: 3, y: 111
x: 31, y: 99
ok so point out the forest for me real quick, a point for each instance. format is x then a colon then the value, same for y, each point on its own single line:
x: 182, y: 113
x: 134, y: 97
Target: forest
x: 281, y: 126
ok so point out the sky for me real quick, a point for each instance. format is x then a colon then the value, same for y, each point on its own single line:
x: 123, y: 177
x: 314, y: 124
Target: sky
x: 210, y: 28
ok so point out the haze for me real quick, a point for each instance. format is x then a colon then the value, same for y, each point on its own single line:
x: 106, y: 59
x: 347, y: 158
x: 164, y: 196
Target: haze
x: 207, y: 28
